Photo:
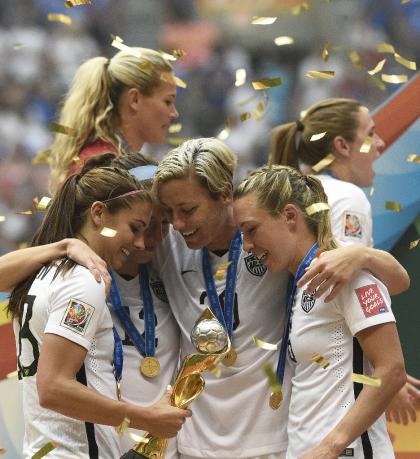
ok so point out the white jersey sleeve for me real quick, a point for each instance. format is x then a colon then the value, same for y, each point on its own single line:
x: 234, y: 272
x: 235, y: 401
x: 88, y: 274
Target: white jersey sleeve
x: 365, y: 302
x: 76, y: 307
x: 351, y: 214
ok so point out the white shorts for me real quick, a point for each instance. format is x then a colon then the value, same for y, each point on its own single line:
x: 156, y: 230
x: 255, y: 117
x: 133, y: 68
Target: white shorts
x: 281, y: 455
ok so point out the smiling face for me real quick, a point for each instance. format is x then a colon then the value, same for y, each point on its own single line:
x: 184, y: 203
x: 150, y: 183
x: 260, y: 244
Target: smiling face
x: 130, y: 225
x: 202, y: 220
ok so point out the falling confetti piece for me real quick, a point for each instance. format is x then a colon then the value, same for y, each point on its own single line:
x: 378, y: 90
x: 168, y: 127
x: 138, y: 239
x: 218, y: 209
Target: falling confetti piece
x: 299, y: 9
x: 42, y: 157
x: 60, y: 129
x: 266, y: 83
x: 45, y: 450
x: 175, y: 128
x: 221, y: 270
x: 178, y: 53
x: 368, y: 380
x: 414, y: 244
x: 245, y: 116
x: 273, y: 380
x: 366, y: 145
x: 403, y: 2
x: 71, y: 3
x: 395, y: 79
x: 326, y: 161
x: 56, y: 17
x: 371, y: 190
x: 139, y: 439
x: 107, y: 232
x: 172, y: 79
x: 2, y: 218
x: 264, y: 344
x: 317, y: 136
x: 17, y: 45
x: 321, y: 74
x: 355, y: 58
x: 261, y: 20
x: 118, y: 42
x: 380, y: 84
x: 317, y: 207
x: 240, y: 77
x: 393, y: 205
x: 284, y: 40
x: 411, y: 65
x: 43, y: 204
x: 413, y: 158
x: 224, y: 133
x: 321, y: 361
x: 123, y: 426
x: 13, y: 374
x: 168, y: 57
x: 176, y: 140
x: 216, y: 372
x: 23, y: 245
x: 378, y: 67
x: 385, y: 48
x: 25, y: 212
x: 325, y: 53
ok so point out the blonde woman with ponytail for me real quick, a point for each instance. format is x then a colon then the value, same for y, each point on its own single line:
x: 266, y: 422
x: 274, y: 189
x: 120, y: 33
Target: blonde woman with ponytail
x: 114, y: 105
x: 285, y: 222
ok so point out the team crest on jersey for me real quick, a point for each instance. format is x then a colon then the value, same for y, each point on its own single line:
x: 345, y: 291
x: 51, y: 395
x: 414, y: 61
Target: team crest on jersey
x: 308, y: 301
x: 254, y: 265
x: 77, y: 316
x: 353, y: 225
x: 159, y: 290
x: 371, y: 300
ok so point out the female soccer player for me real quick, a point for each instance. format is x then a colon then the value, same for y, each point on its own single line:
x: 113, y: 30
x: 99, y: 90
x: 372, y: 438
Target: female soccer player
x: 284, y: 218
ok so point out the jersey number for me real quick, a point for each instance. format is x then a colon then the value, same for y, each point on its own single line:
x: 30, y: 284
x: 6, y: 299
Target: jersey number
x: 25, y: 333
x: 236, y: 322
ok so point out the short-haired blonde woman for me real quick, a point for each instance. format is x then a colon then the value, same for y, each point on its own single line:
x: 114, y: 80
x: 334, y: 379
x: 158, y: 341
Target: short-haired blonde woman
x: 114, y: 105
x: 285, y: 222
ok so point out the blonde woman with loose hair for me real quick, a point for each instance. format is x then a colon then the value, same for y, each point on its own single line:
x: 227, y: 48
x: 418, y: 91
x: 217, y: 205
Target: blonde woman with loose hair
x: 283, y: 216
x: 114, y: 105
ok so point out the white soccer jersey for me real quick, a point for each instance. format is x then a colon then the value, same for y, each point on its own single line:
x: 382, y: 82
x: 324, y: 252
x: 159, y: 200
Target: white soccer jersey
x: 231, y: 418
x: 135, y: 387
x: 321, y: 397
x: 351, y: 214
x: 72, y: 306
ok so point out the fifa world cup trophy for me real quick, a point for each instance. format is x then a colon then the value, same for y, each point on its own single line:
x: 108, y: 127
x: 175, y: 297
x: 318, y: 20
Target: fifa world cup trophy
x: 212, y: 342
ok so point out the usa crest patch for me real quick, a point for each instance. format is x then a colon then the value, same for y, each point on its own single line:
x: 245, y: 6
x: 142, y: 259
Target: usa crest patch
x: 371, y: 300
x: 353, y: 225
x: 308, y: 301
x: 254, y: 265
x: 77, y: 316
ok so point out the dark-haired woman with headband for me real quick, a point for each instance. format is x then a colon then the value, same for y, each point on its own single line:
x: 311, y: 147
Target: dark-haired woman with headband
x: 285, y: 222
x: 68, y: 353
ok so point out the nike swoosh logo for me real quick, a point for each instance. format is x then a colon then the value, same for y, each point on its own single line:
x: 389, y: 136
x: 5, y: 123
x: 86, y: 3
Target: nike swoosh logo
x: 188, y: 271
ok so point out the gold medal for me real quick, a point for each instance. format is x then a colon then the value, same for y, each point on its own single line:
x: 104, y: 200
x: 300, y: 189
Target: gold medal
x: 150, y: 367
x: 275, y: 400
x: 118, y: 390
x: 230, y: 358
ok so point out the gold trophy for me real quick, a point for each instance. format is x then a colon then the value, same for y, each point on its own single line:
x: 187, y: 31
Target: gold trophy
x: 212, y: 342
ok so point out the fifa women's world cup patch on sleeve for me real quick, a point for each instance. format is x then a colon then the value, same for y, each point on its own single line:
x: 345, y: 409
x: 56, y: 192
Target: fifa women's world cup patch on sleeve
x: 353, y: 225
x: 371, y: 300
x: 77, y: 316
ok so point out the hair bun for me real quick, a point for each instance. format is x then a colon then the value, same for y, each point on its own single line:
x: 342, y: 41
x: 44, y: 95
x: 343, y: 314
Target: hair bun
x: 101, y: 160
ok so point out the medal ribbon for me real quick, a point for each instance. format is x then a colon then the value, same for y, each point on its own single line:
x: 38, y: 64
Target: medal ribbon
x: 291, y: 292
x: 118, y: 361
x: 225, y: 317
x: 145, y: 346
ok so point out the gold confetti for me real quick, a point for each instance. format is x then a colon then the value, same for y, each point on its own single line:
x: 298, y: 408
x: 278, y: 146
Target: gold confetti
x: 45, y: 450
x: 273, y: 380
x: 317, y: 136
x: 413, y: 158
x: 138, y: 439
x: 371, y: 190
x: 12, y: 375
x: 172, y: 79
x: 176, y: 140
x: 25, y: 212
x: 411, y: 65
x: 403, y: 2
x: 43, y: 204
x: 216, y: 372
x: 393, y: 205
x: 326, y: 161
x: 378, y: 67
x: 118, y: 42
x: 245, y: 116
x: 224, y: 133
x: 299, y: 9
x: 246, y: 101
x: 366, y: 145
x: 368, y: 380
x: 107, y: 232
x: 60, y: 129
x: 240, y: 77
x: 284, y: 40
x: 2, y: 218
x: 321, y: 361
x: 264, y: 344
x: 221, y: 270
x: 71, y: 3
x: 123, y: 426
x: 23, y: 245
x: 261, y: 20
x: 178, y: 53
x: 414, y: 244
x: 266, y: 83
x: 321, y: 74
x: 42, y: 157
x: 325, y: 53
x: 395, y: 79
x: 355, y: 58
x: 175, y: 128
x: 380, y: 84
x: 385, y: 48
x: 317, y: 207
x: 168, y: 57
x: 17, y: 45
x: 57, y: 17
